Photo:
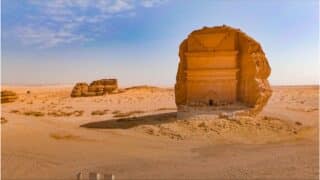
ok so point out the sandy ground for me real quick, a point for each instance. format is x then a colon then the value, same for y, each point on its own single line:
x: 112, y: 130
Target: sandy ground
x: 135, y: 135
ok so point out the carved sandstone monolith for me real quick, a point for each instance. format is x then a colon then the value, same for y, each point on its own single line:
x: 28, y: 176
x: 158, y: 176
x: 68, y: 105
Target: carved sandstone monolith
x: 221, y: 66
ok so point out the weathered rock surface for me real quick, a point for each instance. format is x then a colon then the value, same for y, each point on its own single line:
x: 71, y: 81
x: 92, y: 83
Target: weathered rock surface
x: 80, y: 89
x: 8, y: 96
x: 104, y: 86
x: 220, y: 66
x: 96, y: 88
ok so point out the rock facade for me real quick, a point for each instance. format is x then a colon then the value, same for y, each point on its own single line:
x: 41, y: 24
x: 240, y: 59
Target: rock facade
x: 8, y: 96
x: 222, y: 65
x: 96, y: 88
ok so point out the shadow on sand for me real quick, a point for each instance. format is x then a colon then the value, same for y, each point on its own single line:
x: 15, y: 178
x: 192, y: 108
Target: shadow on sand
x: 126, y: 123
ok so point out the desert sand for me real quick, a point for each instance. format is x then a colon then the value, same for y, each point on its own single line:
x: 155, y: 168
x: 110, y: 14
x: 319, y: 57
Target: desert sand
x: 135, y: 134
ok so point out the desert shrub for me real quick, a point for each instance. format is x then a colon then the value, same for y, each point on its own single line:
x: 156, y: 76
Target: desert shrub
x: 166, y: 109
x: 126, y: 114
x: 116, y: 112
x: 60, y: 113
x: 61, y: 136
x: 15, y: 111
x: 3, y: 120
x: 99, y: 112
x: 78, y: 113
x: 33, y: 113
x: 270, y: 118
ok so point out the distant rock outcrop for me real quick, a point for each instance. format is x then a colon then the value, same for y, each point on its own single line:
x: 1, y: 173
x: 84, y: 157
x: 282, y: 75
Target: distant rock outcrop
x: 96, y: 88
x: 8, y: 96
x: 80, y: 89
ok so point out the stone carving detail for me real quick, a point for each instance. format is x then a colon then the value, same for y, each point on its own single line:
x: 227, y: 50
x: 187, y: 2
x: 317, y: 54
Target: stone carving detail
x: 222, y: 65
x: 8, y: 96
x: 96, y: 88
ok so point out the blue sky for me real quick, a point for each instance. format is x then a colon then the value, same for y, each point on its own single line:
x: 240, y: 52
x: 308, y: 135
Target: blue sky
x: 136, y: 41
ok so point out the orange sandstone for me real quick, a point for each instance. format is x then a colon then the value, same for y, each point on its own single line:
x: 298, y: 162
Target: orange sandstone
x: 222, y: 65
x: 96, y: 88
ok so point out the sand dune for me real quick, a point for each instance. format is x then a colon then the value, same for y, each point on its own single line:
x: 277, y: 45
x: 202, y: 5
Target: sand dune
x: 135, y: 134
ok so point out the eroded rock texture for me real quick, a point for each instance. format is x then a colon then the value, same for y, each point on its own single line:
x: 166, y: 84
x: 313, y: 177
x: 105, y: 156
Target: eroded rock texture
x: 96, y: 88
x: 80, y: 89
x: 8, y: 96
x: 222, y: 65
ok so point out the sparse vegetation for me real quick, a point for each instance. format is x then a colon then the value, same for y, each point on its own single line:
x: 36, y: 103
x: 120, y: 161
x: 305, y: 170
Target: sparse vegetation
x: 270, y: 118
x: 60, y: 113
x: 115, y: 112
x: 127, y: 114
x: 166, y: 109
x: 58, y: 136
x: 15, y: 111
x: 3, y: 120
x: 34, y: 113
x: 99, y: 112
x: 78, y: 113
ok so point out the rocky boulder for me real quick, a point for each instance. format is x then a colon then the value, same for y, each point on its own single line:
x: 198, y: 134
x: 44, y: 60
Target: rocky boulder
x: 105, y: 85
x: 96, y: 88
x: 80, y: 89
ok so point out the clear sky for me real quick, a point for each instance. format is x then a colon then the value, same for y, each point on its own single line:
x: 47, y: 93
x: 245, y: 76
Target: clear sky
x: 136, y: 41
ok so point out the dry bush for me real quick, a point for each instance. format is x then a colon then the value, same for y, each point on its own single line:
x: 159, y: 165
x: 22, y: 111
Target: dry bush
x: 99, y: 113
x: 116, y: 112
x: 126, y: 114
x: 78, y: 113
x: 33, y: 113
x: 166, y: 109
x: 3, y: 120
x: 270, y: 118
x: 15, y: 111
x: 61, y: 136
x: 60, y: 113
